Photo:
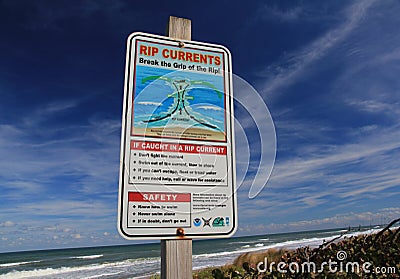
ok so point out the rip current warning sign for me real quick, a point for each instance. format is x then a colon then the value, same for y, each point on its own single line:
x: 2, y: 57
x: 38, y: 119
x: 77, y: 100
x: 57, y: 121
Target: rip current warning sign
x: 177, y: 167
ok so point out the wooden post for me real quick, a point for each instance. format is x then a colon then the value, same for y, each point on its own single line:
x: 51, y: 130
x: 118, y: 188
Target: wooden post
x: 176, y: 259
x: 176, y: 254
x: 179, y: 28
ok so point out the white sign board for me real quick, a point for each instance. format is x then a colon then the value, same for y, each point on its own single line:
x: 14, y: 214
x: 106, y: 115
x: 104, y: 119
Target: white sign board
x: 177, y: 150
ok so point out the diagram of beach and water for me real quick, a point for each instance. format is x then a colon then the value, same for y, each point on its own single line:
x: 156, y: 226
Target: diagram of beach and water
x: 178, y: 104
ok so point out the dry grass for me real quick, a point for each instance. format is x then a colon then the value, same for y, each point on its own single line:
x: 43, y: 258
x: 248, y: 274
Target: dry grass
x: 273, y: 255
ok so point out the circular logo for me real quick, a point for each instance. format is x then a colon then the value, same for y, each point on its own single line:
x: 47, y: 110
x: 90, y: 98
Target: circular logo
x: 197, y: 222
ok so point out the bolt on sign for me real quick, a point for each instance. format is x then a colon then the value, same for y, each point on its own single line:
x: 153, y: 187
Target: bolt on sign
x: 177, y: 167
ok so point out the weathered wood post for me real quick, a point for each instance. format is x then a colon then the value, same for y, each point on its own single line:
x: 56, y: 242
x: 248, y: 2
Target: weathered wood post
x: 176, y: 255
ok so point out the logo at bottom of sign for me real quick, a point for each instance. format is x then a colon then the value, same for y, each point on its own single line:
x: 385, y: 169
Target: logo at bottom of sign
x: 218, y: 222
x: 197, y: 222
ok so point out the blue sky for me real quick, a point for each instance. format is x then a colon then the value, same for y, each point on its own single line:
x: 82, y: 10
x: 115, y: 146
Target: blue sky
x: 327, y: 70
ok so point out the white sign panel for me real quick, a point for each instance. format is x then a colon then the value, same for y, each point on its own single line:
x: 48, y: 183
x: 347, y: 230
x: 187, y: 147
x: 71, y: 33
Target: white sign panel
x: 177, y: 173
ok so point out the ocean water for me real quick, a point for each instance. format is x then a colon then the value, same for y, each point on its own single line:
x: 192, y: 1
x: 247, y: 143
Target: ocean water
x: 141, y: 261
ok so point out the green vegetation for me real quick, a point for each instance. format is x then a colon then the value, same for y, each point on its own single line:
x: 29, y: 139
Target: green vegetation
x: 354, y: 257
x: 381, y: 250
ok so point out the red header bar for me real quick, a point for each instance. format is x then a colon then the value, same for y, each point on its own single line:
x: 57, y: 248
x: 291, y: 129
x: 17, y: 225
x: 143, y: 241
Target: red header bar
x: 178, y: 147
x: 158, y: 197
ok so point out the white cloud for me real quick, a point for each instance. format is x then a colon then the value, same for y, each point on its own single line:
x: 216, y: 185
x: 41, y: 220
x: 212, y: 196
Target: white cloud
x: 292, y: 66
x: 32, y: 166
x: 65, y: 209
x: 33, y: 234
x: 329, y: 178
x: 275, y: 13
x: 49, y: 111
x: 7, y: 224
x: 374, y: 106
x: 345, y: 220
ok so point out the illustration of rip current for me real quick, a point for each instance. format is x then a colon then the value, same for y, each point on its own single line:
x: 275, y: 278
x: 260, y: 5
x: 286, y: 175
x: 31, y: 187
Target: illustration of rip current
x: 166, y: 98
